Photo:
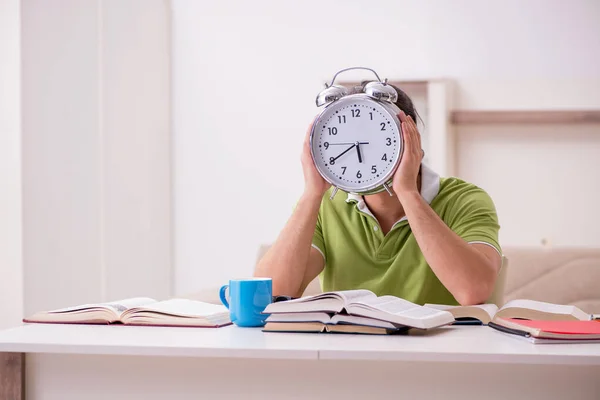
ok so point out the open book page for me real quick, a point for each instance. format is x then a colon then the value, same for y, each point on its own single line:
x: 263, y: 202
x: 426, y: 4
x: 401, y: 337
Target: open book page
x: 324, y: 302
x: 483, y: 312
x: 400, y: 311
x: 117, y: 306
x: 531, y: 309
x: 490, y: 309
x: 99, y: 313
x: 395, y: 305
x: 178, y: 312
x: 182, y: 308
x: 351, y: 296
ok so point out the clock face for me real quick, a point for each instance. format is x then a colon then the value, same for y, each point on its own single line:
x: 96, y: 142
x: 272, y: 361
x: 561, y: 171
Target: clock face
x: 356, y: 143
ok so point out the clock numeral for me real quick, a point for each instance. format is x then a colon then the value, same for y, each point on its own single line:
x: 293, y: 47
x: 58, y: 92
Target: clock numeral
x: 326, y: 144
x: 384, y: 158
x: 344, y: 170
x: 371, y: 114
x: 341, y: 119
x: 358, y: 174
x: 332, y: 131
x: 355, y: 113
x: 382, y: 126
x: 374, y: 169
x: 331, y: 160
x: 388, y: 141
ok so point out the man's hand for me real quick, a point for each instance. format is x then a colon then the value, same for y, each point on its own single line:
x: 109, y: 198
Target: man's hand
x: 405, y: 178
x: 314, y: 184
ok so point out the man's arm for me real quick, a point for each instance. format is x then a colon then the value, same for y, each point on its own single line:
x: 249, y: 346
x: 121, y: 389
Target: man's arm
x: 468, y: 271
x: 292, y: 262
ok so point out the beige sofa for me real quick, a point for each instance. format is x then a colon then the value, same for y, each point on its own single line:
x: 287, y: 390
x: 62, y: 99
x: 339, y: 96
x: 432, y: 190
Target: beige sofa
x: 555, y: 275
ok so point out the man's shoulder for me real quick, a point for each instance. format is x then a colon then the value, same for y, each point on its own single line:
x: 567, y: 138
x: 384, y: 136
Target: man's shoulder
x: 457, y: 192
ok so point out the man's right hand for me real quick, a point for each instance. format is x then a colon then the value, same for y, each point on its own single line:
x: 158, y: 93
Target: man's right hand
x: 314, y: 184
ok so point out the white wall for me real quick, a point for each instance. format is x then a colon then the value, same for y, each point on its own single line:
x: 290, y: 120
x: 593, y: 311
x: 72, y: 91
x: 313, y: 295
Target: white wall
x: 96, y: 153
x: 11, y: 277
x: 245, y: 75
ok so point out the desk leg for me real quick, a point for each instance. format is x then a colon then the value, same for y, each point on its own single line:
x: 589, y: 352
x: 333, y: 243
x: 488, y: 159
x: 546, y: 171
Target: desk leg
x: 12, y: 376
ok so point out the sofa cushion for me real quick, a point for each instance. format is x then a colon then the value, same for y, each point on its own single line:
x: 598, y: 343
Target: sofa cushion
x: 555, y: 275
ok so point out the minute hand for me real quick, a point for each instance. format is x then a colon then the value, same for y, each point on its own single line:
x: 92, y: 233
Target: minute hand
x: 346, y: 143
x: 344, y: 152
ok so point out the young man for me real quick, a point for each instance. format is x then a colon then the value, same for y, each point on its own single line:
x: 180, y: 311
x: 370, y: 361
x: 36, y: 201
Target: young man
x: 434, y: 241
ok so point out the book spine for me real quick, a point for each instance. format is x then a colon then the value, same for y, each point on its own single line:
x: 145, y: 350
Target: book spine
x: 509, y: 330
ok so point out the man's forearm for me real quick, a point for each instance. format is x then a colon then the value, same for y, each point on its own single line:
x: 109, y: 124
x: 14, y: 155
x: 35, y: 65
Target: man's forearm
x: 466, y: 272
x: 287, y: 259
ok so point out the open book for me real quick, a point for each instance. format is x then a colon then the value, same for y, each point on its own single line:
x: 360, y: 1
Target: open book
x: 323, y: 322
x: 363, y: 303
x: 139, y: 311
x: 523, y: 309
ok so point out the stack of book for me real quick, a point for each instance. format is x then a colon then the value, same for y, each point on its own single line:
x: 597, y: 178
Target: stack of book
x: 352, y: 311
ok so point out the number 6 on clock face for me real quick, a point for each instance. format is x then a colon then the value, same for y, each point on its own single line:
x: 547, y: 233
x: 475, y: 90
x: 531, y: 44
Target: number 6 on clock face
x: 356, y: 143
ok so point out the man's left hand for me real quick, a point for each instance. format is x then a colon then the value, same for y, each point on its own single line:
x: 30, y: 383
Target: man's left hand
x: 405, y: 178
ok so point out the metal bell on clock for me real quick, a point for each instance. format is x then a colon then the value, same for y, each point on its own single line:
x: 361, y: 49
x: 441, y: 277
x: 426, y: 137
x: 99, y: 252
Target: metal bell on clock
x: 330, y: 94
x: 381, y: 91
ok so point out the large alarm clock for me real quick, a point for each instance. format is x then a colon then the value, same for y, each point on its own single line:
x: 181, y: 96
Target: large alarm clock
x: 356, y: 140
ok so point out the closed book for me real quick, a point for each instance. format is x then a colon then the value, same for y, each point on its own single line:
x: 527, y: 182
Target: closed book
x: 319, y: 327
x: 324, y: 322
x: 541, y: 331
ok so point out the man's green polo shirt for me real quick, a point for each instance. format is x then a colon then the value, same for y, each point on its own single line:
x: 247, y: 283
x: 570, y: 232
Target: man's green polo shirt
x: 359, y: 256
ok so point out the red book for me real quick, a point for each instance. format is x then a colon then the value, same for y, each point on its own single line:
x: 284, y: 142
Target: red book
x: 561, y: 327
x: 538, y: 331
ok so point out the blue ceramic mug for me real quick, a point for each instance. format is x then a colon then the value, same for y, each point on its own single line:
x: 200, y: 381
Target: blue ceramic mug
x: 247, y: 300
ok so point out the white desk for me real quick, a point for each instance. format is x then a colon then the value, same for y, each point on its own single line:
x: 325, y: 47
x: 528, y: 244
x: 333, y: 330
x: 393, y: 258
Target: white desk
x: 119, y: 362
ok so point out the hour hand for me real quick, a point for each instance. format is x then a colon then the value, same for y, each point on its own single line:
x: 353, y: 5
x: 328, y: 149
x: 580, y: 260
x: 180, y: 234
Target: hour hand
x: 358, y: 152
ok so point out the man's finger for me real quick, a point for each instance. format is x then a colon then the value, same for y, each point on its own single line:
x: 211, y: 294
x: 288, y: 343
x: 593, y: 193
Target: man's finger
x: 407, y: 120
x: 413, y: 125
x: 308, y: 131
x: 409, y: 131
x: 402, y: 116
x: 408, y: 138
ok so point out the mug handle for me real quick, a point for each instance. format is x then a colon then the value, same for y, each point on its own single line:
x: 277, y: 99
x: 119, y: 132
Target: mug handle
x: 222, y: 295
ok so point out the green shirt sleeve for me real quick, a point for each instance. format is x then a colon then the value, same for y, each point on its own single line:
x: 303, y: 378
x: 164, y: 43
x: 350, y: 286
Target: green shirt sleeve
x: 318, y: 241
x: 475, y: 219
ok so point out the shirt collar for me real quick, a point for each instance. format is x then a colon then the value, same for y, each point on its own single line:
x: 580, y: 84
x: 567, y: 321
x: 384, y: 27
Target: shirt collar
x: 430, y: 187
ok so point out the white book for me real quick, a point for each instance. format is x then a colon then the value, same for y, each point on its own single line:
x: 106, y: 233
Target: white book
x: 139, y: 311
x: 524, y: 309
x: 327, y: 319
x: 364, y: 303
